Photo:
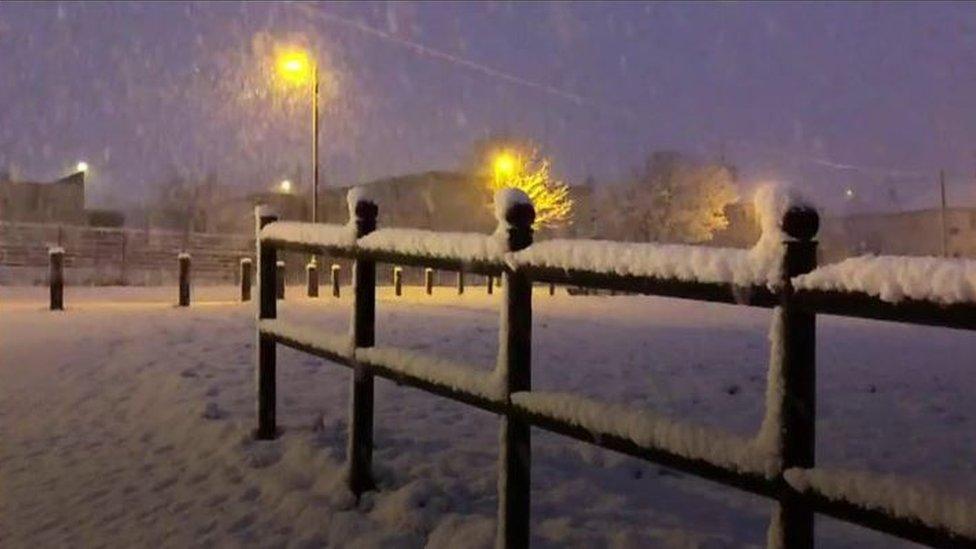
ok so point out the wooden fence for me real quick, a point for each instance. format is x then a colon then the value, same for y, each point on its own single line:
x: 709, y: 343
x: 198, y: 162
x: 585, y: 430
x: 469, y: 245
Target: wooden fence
x: 778, y: 464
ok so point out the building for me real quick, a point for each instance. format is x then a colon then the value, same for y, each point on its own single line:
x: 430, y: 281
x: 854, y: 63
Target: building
x: 61, y: 201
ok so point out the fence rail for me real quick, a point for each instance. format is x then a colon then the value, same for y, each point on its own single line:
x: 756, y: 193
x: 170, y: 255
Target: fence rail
x: 778, y: 463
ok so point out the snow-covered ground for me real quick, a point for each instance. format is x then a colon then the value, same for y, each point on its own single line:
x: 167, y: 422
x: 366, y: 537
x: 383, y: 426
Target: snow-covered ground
x: 126, y: 421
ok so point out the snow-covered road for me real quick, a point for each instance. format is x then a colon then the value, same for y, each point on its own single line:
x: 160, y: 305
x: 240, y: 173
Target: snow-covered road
x: 125, y: 421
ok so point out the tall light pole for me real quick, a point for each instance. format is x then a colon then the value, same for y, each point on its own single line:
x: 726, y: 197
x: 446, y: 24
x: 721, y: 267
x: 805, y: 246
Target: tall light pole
x: 298, y: 67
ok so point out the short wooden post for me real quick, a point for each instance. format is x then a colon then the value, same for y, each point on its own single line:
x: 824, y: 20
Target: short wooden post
x: 398, y: 281
x: 267, y: 309
x: 552, y: 288
x: 184, y: 264
x: 792, y: 523
x: 246, y: 268
x: 312, y: 278
x: 360, y: 446
x: 280, y: 279
x: 490, y: 286
x: 429, y: 280
x: 55, y: 256
x: 515, y: 355
x: 460, y: 282
x: 336, y: 271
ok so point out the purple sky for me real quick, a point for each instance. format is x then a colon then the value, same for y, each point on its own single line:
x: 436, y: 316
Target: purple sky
x: 874, y: 96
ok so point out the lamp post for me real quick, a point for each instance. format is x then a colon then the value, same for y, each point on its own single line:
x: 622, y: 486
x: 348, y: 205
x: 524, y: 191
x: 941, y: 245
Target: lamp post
x: 298, y: 67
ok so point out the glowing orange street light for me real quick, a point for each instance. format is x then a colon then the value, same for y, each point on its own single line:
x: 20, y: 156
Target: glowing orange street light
x: 504, y: 165
x: 82, y: 167
x: 298, y: 67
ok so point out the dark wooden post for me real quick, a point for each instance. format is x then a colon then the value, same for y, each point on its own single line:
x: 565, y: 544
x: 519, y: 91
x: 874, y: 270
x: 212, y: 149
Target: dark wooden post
x: 56, y: 277
x: 460, y: 282
x: 360, y: 447
x: 184, y: 262
x: 246, y: 266
x: 312, y: 278
x: 267, y: 309
x: 280, y: 279
x: 429, y: 280
x: 336, y: 271
x: 491, y: 284
x: 798, y: 369
x: 515, y: 355
x: 552, y: 289
x: 398, y: 281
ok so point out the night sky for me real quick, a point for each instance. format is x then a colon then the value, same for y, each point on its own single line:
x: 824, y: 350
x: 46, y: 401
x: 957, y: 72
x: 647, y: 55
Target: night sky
x: 872, y: 96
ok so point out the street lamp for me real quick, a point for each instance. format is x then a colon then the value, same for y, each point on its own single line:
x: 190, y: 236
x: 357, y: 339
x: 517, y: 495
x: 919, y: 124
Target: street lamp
x: 285, y: 186
x: 298, y: 67
x: 82, y: 167
x: 504, y: 165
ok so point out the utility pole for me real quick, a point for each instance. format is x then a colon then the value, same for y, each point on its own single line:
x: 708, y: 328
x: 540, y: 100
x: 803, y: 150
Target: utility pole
x: 945, y: 247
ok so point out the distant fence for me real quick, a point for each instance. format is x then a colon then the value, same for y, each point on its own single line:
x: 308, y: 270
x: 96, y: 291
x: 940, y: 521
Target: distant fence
x: 778, y: 463
x: 116, y: 256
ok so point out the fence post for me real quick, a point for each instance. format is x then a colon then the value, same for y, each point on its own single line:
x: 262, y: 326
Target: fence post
x: 360, y: 446
x: 312, y: 278
x: 429, y: 280
x: 336, y: 271
x: 246, y: 266
x: 280, y: 279
x: 515, y: 355
x: 55, y: 256
x: 552, y: 288
x: 398, y: 281
x: 491, y: 284
x: 792, y: 523
x: 184, y: 262
x: 460, y: 282
x: 267, y: 309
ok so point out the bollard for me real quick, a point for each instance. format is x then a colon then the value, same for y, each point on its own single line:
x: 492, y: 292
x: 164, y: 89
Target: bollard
x: 491, y: 284
x: 246, y: 267
x: 429, y: 280
x: 793, y: 520
x: 56, y: 277
x: 460, y: 282
x: 336, y: 269
x: 516, y: 216
x: 280, y: 279
x: 184, y: 263
x: 267, y: 309
x: 552, y: 289
x: 398, y: 281
x: 312, y: 278
x: 360, y: 445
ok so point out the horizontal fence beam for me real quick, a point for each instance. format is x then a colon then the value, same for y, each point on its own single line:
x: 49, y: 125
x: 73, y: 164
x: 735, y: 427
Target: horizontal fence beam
x: 861, y: 305
x: 906, y: 528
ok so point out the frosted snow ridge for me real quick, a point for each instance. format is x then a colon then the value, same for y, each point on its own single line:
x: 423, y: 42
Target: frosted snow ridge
x: 650, y: 430
x: 892, y: 494
x: 895, y: 278
x: 315, y: 234
x: 309, y: 335
x: 446, y: 245
x: 457, y: 376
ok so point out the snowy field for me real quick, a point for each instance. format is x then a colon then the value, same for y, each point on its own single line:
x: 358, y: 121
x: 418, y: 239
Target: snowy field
x: 126, y: 421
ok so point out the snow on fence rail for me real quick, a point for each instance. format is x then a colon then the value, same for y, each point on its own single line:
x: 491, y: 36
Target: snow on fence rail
x: 780, y: 272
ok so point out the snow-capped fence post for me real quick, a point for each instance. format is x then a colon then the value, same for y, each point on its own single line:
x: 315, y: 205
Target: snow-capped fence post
x: 515, y: 216
x: 312, y: 278
x: 429, y: 280
x: 56, y: 277
x: 183, y: 259
x: 280, y: 279
x: 267, y: 309
x: 335, y: 271
x: 246, y: 267
x: 460, y: 282
x: 490, y: 286
x: 398, y: 281
x: 360, y: 445
x: 792, y: 524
